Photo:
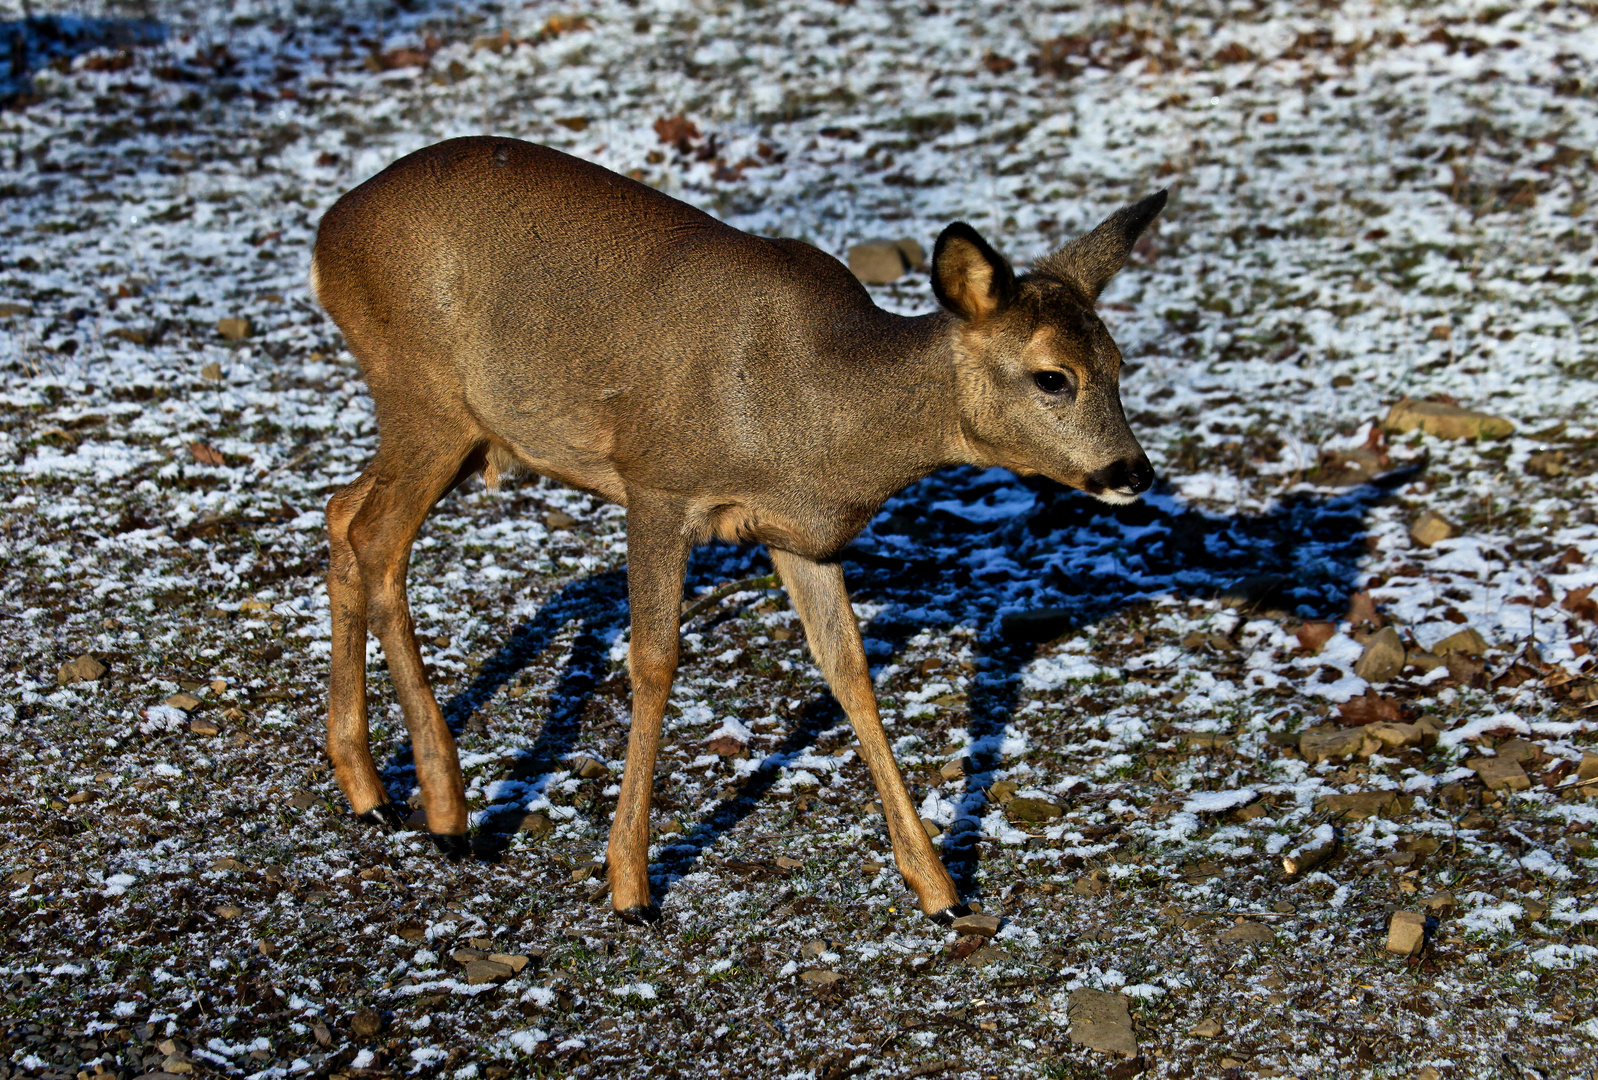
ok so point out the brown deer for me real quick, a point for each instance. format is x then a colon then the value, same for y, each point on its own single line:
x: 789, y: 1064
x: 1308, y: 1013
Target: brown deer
x: 517, y: 309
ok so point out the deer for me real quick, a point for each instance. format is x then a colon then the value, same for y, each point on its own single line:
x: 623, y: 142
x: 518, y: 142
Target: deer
x: 517, y: 310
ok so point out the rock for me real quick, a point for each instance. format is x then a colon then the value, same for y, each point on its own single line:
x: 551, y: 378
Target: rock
x: 486, y: 971
x: 1521, y: 750
x: 302, y: 800
x: 365, y: 1025
x: 1499, y: 774
x: 1003, y: 792
x: 1318, y: 746
x: 481, y: 943
x: 934, y: 830
x: 1365, y: 804
x: 672, y: 828
x: 78, y: 798
x: 183, y: 700
x: 1321, y: 846
x: 589, y: 768
x: 559, y: 521
x: 234, y: 329
x: 1397, y: 736
x: 536, y: 825
x: 1422, y: 660
x: 1090, y: 884
x: 1038, y: 625
x: 1207, y: 740
x: 1406, y: 933
x: 1547, y: 464
x: 817, y: 977
x: 588, y: 870
x: 204, y: 727
x: 177, y: 1065
x: 228, y: 862
x: 1588, y: 769
x: 514, y: 961
x: 1467, y: 641
x: 173, y: 1046
x: 212, y: 371
x: 1313, y: 636
x: 1383, y: 657
x: 1466, y: 670
x: 958, y: 768
x: 914, y: 254
x: 1446, y: 421
x: 1248, y: 933
x: 1101, y: 1021
x: 9, y: 309
x: 1033, y: 810
x: 1208, y: 1028
x: 1431, y: 528
x: 84, y: 669
x: 981, y: 925
x: 786, y: 863
x: 871, y: 868
x: 1428, y: 1073
x: 1441, y: 902
x: 229, y: 911
x: 812, y: 949
x: 466, y: 956
x: 878, y: 262
x: 984, y: 955
x: 411, y: 932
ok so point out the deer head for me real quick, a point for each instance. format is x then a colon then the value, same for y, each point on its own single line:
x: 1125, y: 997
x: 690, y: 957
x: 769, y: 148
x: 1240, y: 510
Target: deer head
x: 1038, y: 374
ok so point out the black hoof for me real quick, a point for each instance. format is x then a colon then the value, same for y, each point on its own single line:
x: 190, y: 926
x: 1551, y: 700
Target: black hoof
x: 949, y: 914
x: 385, y: 816
x: 640, y: 914
x: 452, y: 846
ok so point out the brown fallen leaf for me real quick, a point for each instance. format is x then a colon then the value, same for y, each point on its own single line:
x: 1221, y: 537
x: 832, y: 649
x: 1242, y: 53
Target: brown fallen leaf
x: 725, y: 746
x: 676, y: 129
x: 205, y: 455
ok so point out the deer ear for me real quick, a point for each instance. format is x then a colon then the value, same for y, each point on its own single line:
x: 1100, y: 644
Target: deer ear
x: 1089, y: 262
x: 968, y: 277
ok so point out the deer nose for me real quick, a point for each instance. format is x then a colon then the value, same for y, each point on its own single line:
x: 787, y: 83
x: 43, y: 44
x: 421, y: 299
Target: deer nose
x: 1129, y: 476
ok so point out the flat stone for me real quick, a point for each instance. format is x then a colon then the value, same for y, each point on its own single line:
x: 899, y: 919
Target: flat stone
x: 812, y: 949
x: 1208, y: 1028
x: 302, y: 800
x: 1431, y: 528
x: 1440, y: 901
x: 466, y: 956
x: 1428, y: 1073
x: 1521, y: 750
x: 983, y: 925
x: 1101, y: 1021
x: 235, y: 329
x: 1446, y: 421
x: 817, y: 977
x: 366, y: 1024
x: 1406, y: 932
x: 877, y: 262
x: 1318, y: 746
x: 1467, y: 641
x: 1091, y: 884
x: 589, y: 768
x: 1423, y: 660
x: 229, y: 911
x: 228, y: 862
x: 1499, y: 774
x: 1033, y: 810
x: 985, y: 955
x: 958, y: 768
x: 1383, y: 657
x: 1248, y: 933
x: 559, y: 521
x: 85, y: 668
x: 183, y: 700
x: 1003, y: 791
x: 1588, y: 769
x: 485, y: 971
x: 1365, y: 804
x: 204, y: 728
x: 536, y: 825
x: 514, y: 961
x: 934, y: 830
x: 1396, y: 736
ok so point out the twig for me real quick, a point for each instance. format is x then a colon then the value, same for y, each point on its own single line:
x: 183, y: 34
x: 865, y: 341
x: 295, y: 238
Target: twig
x: 715, y: 596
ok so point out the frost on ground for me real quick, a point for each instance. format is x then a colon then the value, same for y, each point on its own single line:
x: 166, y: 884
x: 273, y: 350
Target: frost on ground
x: 1120, y: 722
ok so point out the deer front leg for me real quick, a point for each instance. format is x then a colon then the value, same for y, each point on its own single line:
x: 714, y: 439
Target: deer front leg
x: 819, y: 594
x: 657, y: 558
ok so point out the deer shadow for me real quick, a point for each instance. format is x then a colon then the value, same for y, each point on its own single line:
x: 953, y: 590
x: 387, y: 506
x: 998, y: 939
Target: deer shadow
x: 961, y: 548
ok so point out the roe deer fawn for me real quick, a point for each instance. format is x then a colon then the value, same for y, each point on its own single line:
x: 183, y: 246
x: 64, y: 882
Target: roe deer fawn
x: 514, y: 308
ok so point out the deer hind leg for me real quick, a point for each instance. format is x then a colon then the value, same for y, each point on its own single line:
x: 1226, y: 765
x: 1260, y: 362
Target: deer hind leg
x: 348, y: 740
x: 407, y: 478
x: 818, y: 592
x: 657, y: 559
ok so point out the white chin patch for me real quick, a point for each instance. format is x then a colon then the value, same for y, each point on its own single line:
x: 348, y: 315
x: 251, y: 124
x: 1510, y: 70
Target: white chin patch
x: 1117, y: 497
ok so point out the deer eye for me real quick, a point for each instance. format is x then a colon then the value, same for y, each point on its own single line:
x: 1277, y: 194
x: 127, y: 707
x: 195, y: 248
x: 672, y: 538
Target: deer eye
x: 1049, y: 380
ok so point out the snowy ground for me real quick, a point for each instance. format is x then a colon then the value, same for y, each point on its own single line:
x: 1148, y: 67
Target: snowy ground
x: 1369, y: 202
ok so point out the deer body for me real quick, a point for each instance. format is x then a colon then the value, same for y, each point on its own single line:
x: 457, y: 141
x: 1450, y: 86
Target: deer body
x: 517, y: 309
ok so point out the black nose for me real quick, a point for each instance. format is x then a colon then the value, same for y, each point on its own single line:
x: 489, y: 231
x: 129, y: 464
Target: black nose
x: 1129, y: 474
